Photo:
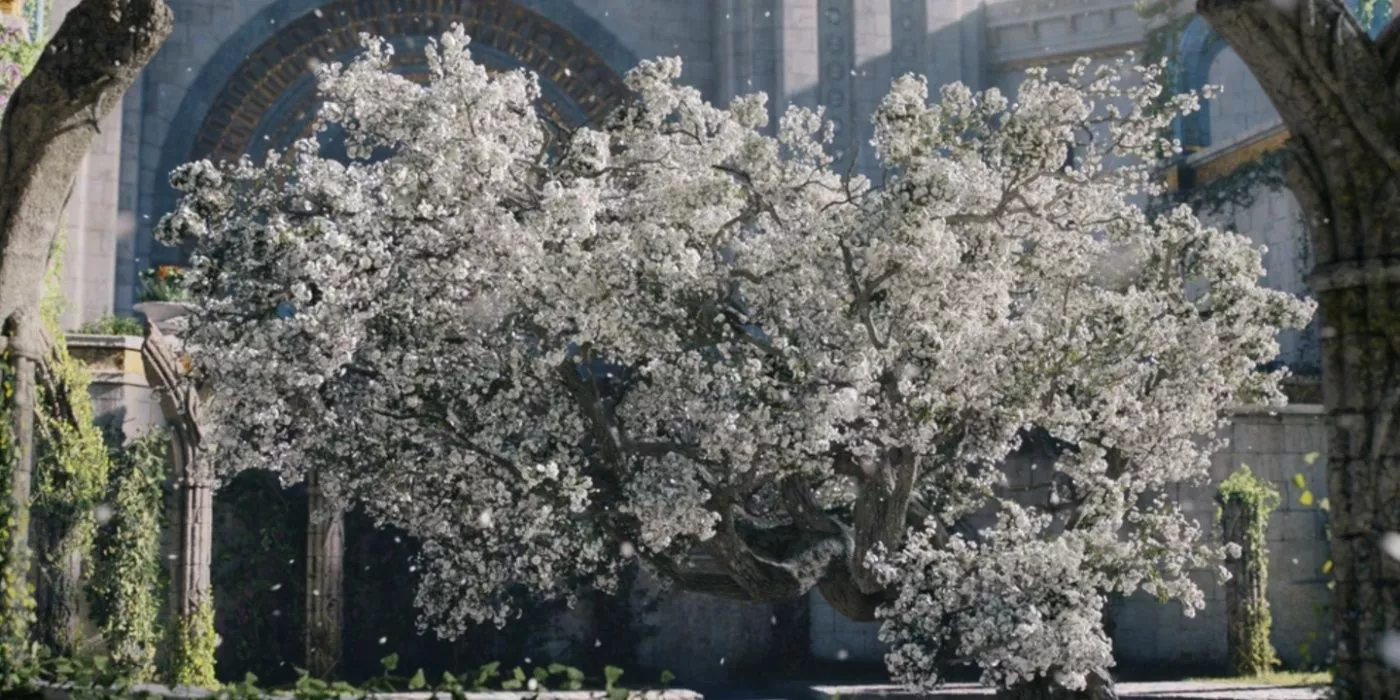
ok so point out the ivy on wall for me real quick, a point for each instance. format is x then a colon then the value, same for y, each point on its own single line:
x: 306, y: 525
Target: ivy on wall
x: 1244, y: 495
x: 16, y: 597
x: 21, y: 42
x: 192, y: 645
x: 73, y: 470
x: 17, y: 56
x: 128, y: 581
x: 71, y: 466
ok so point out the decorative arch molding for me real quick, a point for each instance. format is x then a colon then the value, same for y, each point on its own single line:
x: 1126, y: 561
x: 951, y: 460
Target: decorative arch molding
x: 1198, y: 48
x: 258, y: 87
x: 268, y: 98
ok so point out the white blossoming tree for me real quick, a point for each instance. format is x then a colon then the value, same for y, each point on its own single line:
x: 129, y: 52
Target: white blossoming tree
x: 544, y: 351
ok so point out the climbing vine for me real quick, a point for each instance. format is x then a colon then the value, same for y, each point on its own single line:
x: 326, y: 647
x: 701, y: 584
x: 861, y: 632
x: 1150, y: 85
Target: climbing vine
x: 71, y: 466
x: 1253, y: 499
x: 191, y: 655
x: 126, y: 588
x: 17, y: 56
x: 16, y: 615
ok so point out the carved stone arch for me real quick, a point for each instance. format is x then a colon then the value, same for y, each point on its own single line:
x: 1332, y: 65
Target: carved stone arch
x: 256, y: 90
x: 1198, y: 48
x: 270, y: 100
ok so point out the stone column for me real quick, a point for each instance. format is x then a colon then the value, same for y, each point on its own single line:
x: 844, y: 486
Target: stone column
x: 192, y: 650
x: 325, y: 576
x: 1247, y: 619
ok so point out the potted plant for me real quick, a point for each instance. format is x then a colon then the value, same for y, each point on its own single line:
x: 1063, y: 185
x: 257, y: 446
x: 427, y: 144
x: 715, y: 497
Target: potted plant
x: 163, y: 295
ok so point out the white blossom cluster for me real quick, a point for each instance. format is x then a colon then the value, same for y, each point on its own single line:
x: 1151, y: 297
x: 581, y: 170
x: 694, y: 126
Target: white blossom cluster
x: 531, y: 346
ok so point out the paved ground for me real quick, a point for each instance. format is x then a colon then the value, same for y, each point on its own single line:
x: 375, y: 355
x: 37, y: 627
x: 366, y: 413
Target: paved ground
x: 1175, y: 690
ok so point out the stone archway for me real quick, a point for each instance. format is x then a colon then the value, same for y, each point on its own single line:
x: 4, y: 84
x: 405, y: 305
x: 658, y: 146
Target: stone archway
x: 270, y: 100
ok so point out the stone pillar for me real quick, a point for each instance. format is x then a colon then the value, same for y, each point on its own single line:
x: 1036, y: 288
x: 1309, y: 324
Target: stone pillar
x: 1247, y: 619
x: 325, y: 577
x: 193, y: 527
x: 192, y: 649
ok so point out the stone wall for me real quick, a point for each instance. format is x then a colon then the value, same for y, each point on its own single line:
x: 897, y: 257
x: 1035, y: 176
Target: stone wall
x: 121, y: 398
x: 90, y: 219
x: 1277, y: 448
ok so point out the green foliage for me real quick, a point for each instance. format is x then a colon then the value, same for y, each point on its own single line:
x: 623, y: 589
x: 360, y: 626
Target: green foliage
x: 126, y: 590
x: 611, y: 674
x: 1366, y: 12
x: 17, y: 58
x: 192, y: 645
x: 72, y: 459
x: 16, y: 596
x: 95, y: 677
x: 17, y: 53
x: 164, y: 283
x: 1255, y: 499
x: 86, y: 676
x: 112, y: 325
x: 14, y: 49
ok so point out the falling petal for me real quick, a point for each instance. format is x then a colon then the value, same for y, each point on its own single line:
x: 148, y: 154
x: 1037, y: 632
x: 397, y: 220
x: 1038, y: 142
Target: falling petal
x: 1390, y: 649
x: 1390, y: 544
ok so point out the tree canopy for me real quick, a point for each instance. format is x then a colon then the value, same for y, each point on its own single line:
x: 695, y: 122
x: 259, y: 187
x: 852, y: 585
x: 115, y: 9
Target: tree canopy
x: 548, y: 351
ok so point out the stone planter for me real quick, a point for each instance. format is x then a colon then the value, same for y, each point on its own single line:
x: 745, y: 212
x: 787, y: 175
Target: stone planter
x: 167, y: 315
x: 121, y: 398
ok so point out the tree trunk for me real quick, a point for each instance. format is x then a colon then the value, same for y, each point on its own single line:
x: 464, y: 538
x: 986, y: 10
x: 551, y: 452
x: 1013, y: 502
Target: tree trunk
x: 59, y: 589
x: 1100, y: 687
x: 47, y: 127
x: 1247, y: 619
x: 325, y: 580
x: 1336, y: 90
